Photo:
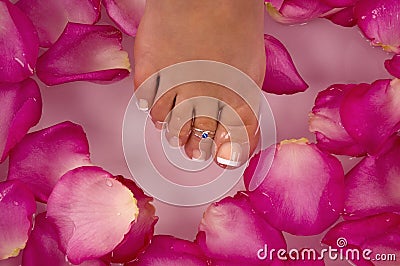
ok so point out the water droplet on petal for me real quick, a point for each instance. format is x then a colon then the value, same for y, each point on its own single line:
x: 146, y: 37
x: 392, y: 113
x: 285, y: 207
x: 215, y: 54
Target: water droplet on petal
x: 16, y: 203
x: 109, y: 182
x: 118, y: 214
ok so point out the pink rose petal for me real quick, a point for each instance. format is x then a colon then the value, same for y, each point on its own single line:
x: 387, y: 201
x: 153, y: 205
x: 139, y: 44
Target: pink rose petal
x: 231, y: 231
x: 42, y: 246
x: 344, y: 17
x: 281, y: 76
x: 126, y: 13
x: 141, y: 232
x: 302, y: 193
x: 340, y: 3
x: 371, y: 113
x: 20, y: 109
x: 17, y: 207
x: 380, y: 234
x: 50, y: 17
x: 379, y: 20
x: 170, y: 251
x: 42, y: 157
x: 373, y: 185
x: 92, y: 212
x: 19, y: 45
x: 297, y: 11
x: 326, y: 123
x: 393, y: 65
x: 84, y: 52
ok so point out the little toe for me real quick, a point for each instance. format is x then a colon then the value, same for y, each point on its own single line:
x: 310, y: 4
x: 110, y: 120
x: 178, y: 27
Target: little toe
x: 162, y: 107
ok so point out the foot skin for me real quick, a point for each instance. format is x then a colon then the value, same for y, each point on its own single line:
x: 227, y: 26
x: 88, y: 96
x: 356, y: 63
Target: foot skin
x: 174, y: 31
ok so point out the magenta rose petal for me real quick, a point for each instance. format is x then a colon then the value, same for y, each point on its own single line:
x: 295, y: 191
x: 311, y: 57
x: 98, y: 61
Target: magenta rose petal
x: 372, y: 185
x: 281, y: 75
x: 379, y: 234
x: 370, y: 113
x: 393, y: 65
x: 92, y: 212
x: 169, y: 251
x: 19, y: 44
x: 42, y: 246
x: 20, y: 109
x: 296, y: 11
x: 126, y: 13
x: 344, y: 17
x: 50, y: 17
x: 340, y: 3
x: 17, y: 206
x: 326, y: 123
x: 84, y: 52
x: 302, y: 193
x: 64, y: 145
x: 379, y: 20
x: 231, y: 231
x: 141, y: 232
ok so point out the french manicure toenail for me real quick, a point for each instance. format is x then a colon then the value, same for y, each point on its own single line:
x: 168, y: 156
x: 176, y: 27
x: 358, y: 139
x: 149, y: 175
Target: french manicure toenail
x: 160, y: 124
x: 198, y: 156
x: 228, y: 162
x: 229, y: 154
x: 143, y: 105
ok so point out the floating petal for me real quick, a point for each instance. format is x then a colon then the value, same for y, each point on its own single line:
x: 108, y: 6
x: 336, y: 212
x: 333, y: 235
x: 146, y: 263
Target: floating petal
x: 340, y: 3
x: 92, y: 212
x: 393, y: 65
x: 84, y: 52
x: 42, y: 157
x: 344, y: 17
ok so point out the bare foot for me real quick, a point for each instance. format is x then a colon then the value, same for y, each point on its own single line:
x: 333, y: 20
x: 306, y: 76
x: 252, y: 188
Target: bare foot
x: 227, y: 31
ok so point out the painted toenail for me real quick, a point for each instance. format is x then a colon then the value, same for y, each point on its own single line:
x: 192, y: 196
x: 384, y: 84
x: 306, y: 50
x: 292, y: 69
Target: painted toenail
x: 229, y: 154
x: 143, y: 105
x: 160, y: 124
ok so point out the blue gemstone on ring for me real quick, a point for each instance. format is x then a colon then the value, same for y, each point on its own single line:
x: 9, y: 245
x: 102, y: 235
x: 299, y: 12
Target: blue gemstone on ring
x: 204, y: 135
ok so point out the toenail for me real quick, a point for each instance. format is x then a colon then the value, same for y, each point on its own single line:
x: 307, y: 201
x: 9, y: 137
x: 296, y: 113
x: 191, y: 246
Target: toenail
x: 198, y: 156
x: 174, y: 141
x: 143, y: 105
x: 229, y: 154
x: 160, y: 124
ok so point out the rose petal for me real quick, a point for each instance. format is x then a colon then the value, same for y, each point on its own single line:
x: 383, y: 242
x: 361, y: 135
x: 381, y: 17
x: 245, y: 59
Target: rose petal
x: 20, y: 109
x: 393, y: 65
x: 307, y: 260
x: 50, y: 17
x: 64, y: 145
x: 281, y: 76
x: 380, y: 234
x: 84, y: 52
x: 19, y: 45
x: 126, y: 13
x: 17, y: 207
x: 344, y: 17
x: 297, y: 11
x: 92, y: 211
x: 167, y: 250
x: 371, y: 113
x: 326, y: 123
x: 373, y: 185
x: 42, y: 246
x: 379, y: 20
x: 141, y: 232
x: 231, y: 231
x: 302, y: 192
x: 340, y: 3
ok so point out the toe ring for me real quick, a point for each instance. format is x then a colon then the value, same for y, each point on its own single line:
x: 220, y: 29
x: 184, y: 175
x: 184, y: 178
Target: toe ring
x: 203, y: 134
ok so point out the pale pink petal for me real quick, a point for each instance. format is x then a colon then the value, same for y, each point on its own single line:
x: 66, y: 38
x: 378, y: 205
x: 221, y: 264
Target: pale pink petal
x: 20, y: 109
x: 84, y: 52
x: 17, y: 207
x: 380, y: 234
x: 42, y: 157
x: 326, y: 123
x: 92, y: 212
x: 344, y: 17
x: 281, y: 75
x: 126, y: 13
x: 19, y: 44
x: 371, y: 113
x: 297, y: 11
x: 302, y: 193
x: 393, y: 65
x: 373, y: 185
x: 379, y: 20
x: 170, y: 251
x: 50, y: 17
x: 42, y: 246
x: 141, y: 232
x: 231, y: 231
x: 340, y: 3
